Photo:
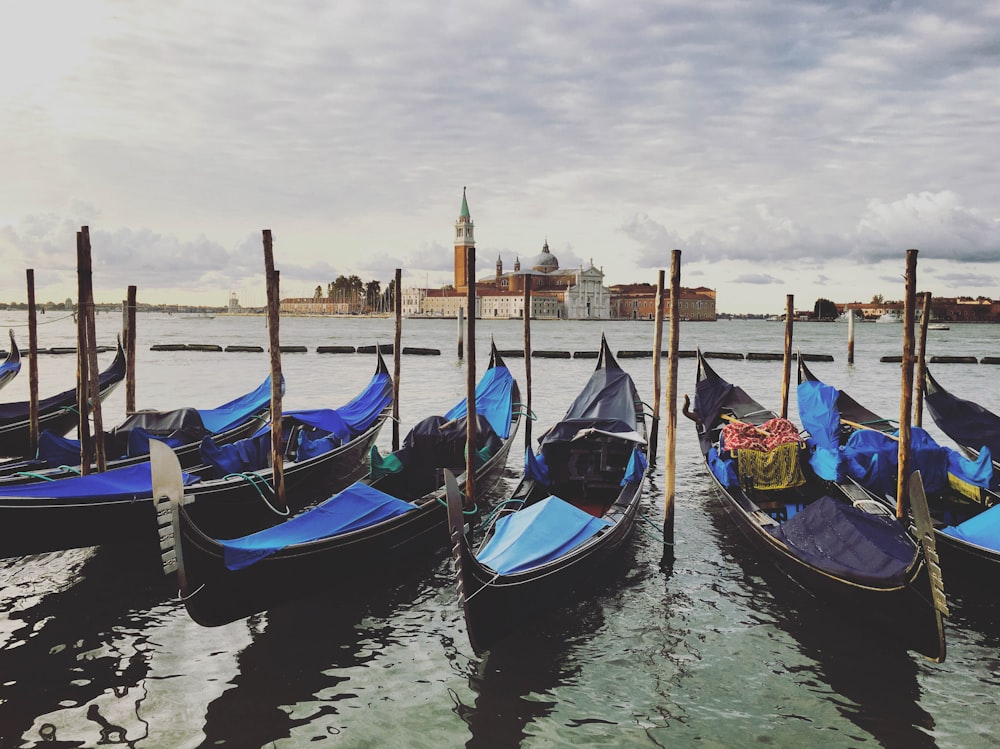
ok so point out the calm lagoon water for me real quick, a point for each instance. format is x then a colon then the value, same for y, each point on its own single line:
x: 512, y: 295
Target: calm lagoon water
x: 719, y: 652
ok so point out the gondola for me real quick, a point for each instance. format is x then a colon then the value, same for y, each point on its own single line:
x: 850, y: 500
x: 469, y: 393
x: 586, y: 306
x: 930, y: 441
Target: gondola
x: 12, y: 364
x: 57, y: 413
x: 569, y: 517
x: 394, y: 515
x: 323, y: 448
x: 963, y: 507
x: 183, y: 429
x: 970, y: 425
x: 830, y: 537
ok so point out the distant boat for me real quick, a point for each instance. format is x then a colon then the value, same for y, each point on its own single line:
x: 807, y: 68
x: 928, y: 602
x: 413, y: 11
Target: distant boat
x: 938, y: 326
x: 198, y: 316
x: 891, y: 317
x: 845, y: 316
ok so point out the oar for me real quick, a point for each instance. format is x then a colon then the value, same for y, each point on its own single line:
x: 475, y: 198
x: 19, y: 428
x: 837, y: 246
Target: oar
x: 858, y: 425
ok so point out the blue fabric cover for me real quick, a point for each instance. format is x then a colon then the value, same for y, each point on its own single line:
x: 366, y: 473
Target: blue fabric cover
x: 538, y: 534
x: 820, y: 417
x: 324, y: 421
x: 238, y: 410
x: 361, y: 412
x: 873, y: 458
x: 138, y: 442
x: 982, y: 530
x: 493, y: 400
x: 724, y: 468
x: 848, y: 542
x: 358, y: 506
x: 636, y: 467
x: 242, y: 456
x: 57, y: 450
x: 535, y: 467
x: 130, y: 482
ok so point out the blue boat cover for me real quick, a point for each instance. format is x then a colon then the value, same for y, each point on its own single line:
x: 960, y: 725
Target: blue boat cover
x: 242, y: 456
x: 361, y: 412
x: 982, y: 530
x: 130, y: 482
x: 238, y: 410
x: 538, y: 534
x: 848, y: 542
x: 358, y: 506
x: 636, y: 467
x: 820, y: 417
x: 872, y: 458
x: 723, y: 467
x: 176, y: 427
x: 535, y: 467
x: 493, y: 400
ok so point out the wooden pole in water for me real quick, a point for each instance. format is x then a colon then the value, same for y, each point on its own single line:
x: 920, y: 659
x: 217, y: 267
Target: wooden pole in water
x: 657, y: 356
x: 273, y: 304
x: 82, y: 372
x: 906, y: 401
x: 95, y: 376
x: 32, y: 367
x: 470, y: 381
x: 918, y: 405
x: 671, y: 446
x: 130, y: 351
x: 397, y: 306
x: 786, y: 374
x: 461, y: 326
x: 850, y: 336
x: 527, y: 361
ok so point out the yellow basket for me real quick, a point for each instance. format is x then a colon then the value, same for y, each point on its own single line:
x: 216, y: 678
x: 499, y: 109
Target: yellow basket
x: 775, y: 469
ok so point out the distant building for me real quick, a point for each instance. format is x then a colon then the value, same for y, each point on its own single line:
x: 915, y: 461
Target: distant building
x: 637, y: 301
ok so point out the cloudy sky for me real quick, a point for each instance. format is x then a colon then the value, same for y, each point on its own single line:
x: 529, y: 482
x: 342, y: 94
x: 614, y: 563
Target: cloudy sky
x: 786, y: 147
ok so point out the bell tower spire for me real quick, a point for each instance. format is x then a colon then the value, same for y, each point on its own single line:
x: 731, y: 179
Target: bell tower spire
x: 464, y: 238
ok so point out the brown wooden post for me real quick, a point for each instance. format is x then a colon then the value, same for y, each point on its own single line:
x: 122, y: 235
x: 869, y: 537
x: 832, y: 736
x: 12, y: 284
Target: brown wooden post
x: 461, y: 328
x: 130, y: 351
x: 32, y: 367
x: 82, y: 363
x: 527, y: 360
x: 397, y: 305
x: 906, y: 401
x: 657, y: 356
x: 273, y: 303
x: 918, y: 405
x: 470, y: 380
x: 95, y: 375
x: 786, y: 374
x: 671, y: 446
x: 850, y: 336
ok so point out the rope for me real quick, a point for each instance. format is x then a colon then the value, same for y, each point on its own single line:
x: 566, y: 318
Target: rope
x: 47, y: 322
x: 485, y: 586
x: 191, y: 595
x: 444, y: 503
x: 658, y: 535
x: 490, y: 518
x: 257, y: 482
x: 33, y: 475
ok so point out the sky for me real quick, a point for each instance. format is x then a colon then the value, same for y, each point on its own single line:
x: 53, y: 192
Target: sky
x: 785, y: 147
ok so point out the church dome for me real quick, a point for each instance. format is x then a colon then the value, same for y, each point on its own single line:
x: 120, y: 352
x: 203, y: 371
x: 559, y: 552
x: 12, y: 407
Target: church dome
x: 545, y: 262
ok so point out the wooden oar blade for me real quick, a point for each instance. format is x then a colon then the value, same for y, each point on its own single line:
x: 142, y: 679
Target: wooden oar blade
x: 925, y: 534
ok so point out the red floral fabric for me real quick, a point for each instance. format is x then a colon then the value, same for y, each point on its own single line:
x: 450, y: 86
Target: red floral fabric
x: 737, y: 435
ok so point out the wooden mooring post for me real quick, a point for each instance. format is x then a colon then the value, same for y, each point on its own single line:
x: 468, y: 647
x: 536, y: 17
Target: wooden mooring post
x: 669, y: 460
x: 470, y: 381
x: 397, y: 306
x: 657, y: 356
x: 786, y: 371
x: 32, y: 366
x: 273, y: 305
x: 906, y: 399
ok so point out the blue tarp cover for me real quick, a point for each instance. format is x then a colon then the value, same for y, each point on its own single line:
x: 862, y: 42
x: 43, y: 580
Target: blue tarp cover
x: 636, y: 467
x: 238, y: 410
x: 130, y: 482
x: 820, y: 417
x: 493, y: 400
x: 535, y: 467
x: 982, y: 530
x: 538, y: 534
x: 358, y: 506
x: 848, y: 542
x: 724, y: 468
x: 361, y: 412
x: 873, y: 457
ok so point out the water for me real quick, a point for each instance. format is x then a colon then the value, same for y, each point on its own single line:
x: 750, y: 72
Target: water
x: 95, y: 650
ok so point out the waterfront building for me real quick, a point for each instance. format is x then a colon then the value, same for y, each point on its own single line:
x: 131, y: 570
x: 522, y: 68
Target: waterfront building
x: 637, y: 301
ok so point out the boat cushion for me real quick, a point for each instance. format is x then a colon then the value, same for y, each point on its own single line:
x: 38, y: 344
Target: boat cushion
x: 358, y: 506
x: 539, y: 533
x: 848, y: 542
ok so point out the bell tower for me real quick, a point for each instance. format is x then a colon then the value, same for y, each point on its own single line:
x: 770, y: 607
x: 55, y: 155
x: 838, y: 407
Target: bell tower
x: 464, y: 238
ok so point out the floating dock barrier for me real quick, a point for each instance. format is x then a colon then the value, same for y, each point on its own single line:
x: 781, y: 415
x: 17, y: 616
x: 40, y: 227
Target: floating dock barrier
x: 723, y: 355
x: 335, y: 349
x: 417, y: 351
x: 990, y: 360
x: 511, y: 353
x: 551, y: 354
x: 894, y: 359
x: 247, y: 349
x: 586, y: 354
x: 764, y: 356
x: 632, y: 354
x: 293, y: 349
x: 385, y: 348
x: 953, y: 360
